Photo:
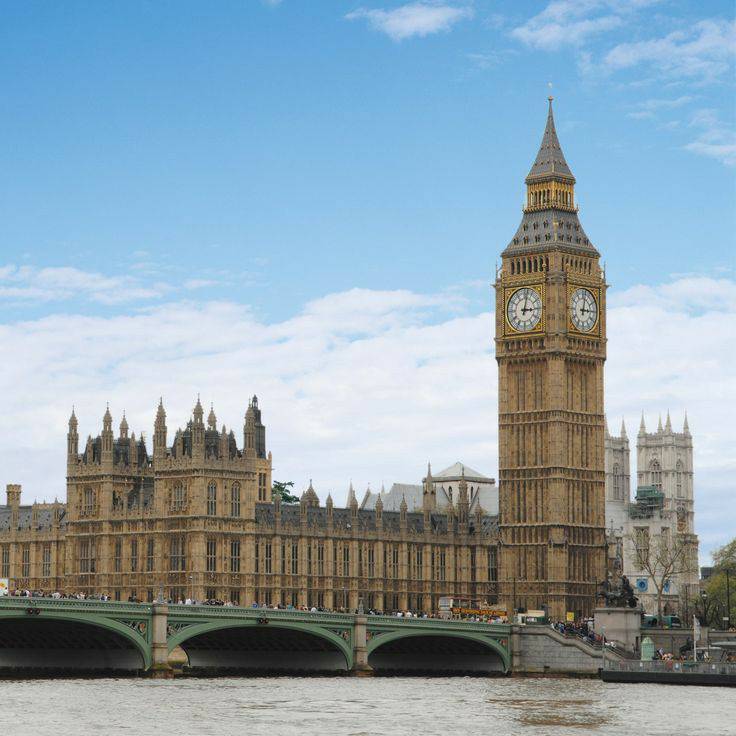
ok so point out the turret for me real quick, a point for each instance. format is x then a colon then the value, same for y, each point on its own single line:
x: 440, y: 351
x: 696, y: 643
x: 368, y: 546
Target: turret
x: 352, y: 501
x: 429, y: 498
x: 106, y: 453
x: 198, y: 430
x: 463, y: 503
x: 254, y: 431
x: 379, y: 512
x: 624, y: 436
x: 686, y: 426
x: 402, y: 514
x: 132, y: 451
x: 124, y: 428
x: 159, y: 432
x: 642, y: 426
x: 72, y: 440
x: 224, y: 443
x: 668, y: 424
x: 212, y: 419
x: 13, y: 491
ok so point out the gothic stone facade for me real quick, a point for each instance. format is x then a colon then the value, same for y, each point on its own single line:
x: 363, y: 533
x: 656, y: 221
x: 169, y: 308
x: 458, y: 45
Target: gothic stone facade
x: 197, y: 519
x: 665, y: 493
x: 550, y: 348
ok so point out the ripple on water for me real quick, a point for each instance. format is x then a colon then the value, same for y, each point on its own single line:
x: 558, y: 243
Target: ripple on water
x: 363, y: 707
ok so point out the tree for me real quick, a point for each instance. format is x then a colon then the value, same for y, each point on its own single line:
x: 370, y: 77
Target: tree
x: 721, y: 586
x: 281, y: 489
x: 662, y: 557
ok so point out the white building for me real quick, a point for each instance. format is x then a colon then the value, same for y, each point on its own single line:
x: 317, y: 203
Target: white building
x: 664, y: 505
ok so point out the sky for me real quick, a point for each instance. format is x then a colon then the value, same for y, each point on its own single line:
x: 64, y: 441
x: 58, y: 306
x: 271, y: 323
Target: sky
x: 306, y: 201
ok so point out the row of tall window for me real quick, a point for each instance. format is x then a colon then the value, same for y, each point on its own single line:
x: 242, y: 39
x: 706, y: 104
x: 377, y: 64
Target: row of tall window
x: 25, y: 561
x: 179, y: 499
x: 134, y: 562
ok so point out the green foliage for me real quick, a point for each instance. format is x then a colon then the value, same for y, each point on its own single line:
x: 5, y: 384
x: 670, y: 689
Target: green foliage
x: 281, y: 489
x: 713, y: 606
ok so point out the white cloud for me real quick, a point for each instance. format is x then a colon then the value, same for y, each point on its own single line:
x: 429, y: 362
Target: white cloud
x: 362, y: 384
x: 715, y: 140
x: 703, y: 53
x: 26, y: 283
x: 649, y: 108
x: 412, y: 19
x: 565, y: 23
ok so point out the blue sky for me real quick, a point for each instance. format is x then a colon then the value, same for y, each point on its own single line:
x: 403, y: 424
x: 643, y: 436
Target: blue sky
x: 181, y: 180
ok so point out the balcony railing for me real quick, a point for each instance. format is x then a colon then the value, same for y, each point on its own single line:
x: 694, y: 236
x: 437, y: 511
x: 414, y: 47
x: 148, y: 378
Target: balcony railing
x: 683, y: 667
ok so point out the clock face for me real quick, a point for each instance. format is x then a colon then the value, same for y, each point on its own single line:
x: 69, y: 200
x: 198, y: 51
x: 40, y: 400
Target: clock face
x: 583, y: 310
x: 524, y: 309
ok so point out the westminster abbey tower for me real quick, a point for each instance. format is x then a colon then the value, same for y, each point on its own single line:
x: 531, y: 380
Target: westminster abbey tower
x: 550, y: 348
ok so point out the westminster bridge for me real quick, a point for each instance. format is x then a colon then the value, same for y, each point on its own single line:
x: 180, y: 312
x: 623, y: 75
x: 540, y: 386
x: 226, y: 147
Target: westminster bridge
x: 40, y: 635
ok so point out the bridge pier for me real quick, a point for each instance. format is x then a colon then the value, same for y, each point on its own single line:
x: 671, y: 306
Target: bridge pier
x: 361, y: 668
x: 160, y: 667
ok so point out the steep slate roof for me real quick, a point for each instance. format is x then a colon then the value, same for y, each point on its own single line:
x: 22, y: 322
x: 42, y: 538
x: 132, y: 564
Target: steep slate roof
x: 550, y: 159
x: 563, y: 228
x: 25, y: 516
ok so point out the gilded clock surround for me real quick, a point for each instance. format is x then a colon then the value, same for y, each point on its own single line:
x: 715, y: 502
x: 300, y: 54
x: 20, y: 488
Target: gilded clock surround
x: 509, y: 329
x: 595, y: 330
x: 551, y: 418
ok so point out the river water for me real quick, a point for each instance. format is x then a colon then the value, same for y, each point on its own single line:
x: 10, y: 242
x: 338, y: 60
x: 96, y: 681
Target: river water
x: 361, y: 707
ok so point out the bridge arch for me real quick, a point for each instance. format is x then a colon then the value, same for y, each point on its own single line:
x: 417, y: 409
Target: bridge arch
x: 425, y: 651
x: 64, y: 641
x: 272, y: 646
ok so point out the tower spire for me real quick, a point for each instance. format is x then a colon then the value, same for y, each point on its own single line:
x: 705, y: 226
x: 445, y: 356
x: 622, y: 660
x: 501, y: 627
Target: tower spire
x: 623, y: 429
x: 685, y: 426
x: 550, y: 160
x: 668, y: 423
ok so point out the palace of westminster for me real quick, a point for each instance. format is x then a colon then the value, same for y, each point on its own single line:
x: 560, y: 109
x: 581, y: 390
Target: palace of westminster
x: 197, y: 518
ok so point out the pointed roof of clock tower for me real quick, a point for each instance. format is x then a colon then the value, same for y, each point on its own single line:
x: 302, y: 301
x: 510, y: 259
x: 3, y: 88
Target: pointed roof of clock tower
x: 550, y: 160
x: 550, y: 220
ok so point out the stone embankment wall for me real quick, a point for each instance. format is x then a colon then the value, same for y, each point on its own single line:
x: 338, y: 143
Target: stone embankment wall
x: 541, y: 650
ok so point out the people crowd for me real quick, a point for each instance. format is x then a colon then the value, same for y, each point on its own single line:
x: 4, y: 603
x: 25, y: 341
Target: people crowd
x: 25, y: 593
x: 581, y: 629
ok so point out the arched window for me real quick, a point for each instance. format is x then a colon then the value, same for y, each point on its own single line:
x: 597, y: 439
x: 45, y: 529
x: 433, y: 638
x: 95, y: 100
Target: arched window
x: 88, y: 502
x: 235, y: 500
x: 680, y: 487
x: 212, y: 499
x: 655, y: 474
x: 617, y: 490
x: 179, y: 497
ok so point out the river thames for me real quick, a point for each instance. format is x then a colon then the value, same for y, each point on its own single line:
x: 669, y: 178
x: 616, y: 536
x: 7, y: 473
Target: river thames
x: 362, y: 706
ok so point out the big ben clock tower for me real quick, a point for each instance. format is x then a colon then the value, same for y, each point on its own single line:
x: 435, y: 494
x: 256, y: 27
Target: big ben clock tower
x: 550, y: 348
